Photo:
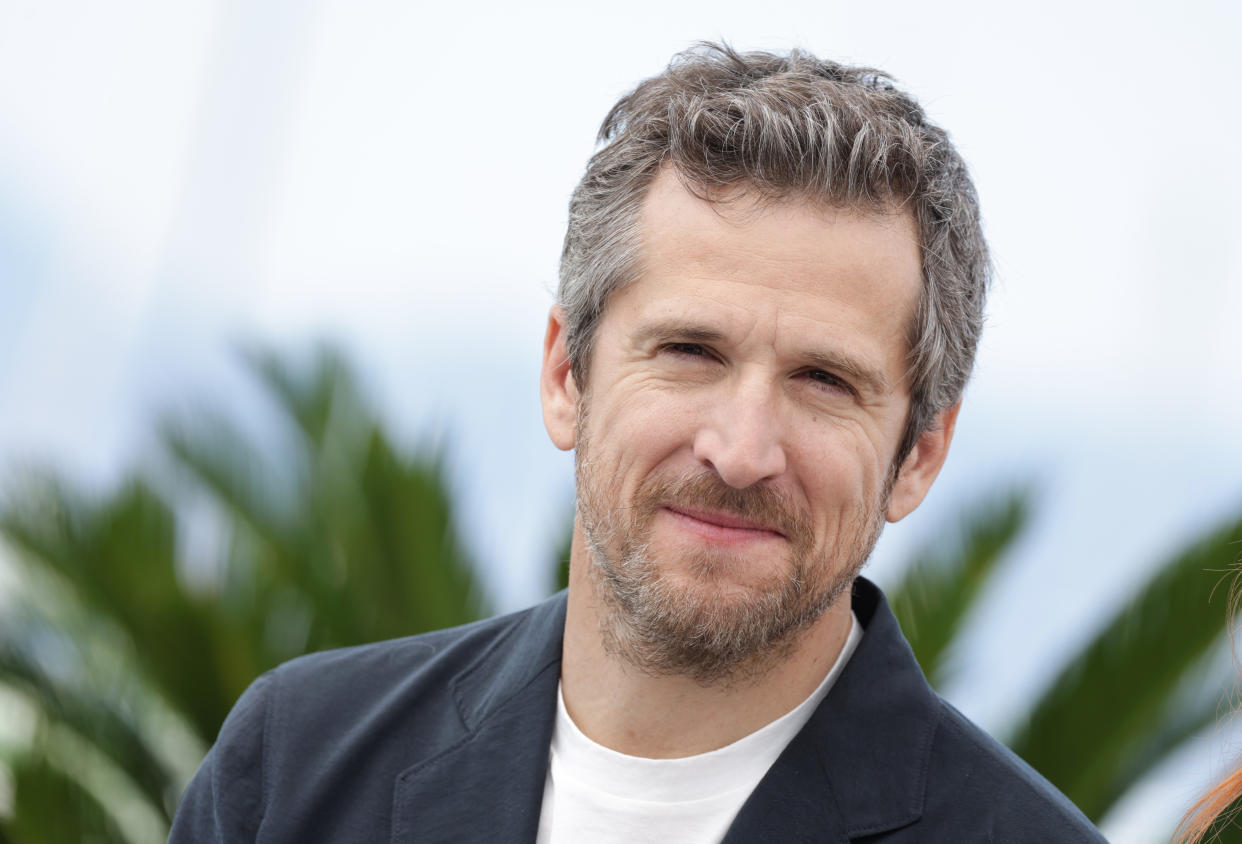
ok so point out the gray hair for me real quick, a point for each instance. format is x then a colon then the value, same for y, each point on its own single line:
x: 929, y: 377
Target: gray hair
x: 783, y: 126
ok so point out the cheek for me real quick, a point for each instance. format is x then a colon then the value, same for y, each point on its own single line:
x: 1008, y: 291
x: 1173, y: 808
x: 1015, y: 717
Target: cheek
x: 629, y: 439
x: 840, y: 474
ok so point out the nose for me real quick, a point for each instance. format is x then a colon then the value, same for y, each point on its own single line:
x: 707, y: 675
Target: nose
x: 741, y: 438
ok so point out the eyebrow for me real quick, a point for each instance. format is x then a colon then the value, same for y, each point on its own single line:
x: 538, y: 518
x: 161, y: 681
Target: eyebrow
x: 676, y: 328
x: 867, y: 378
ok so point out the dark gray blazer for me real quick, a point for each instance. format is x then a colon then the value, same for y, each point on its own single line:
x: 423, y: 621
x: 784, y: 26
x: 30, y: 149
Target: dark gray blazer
x: 444, y: 737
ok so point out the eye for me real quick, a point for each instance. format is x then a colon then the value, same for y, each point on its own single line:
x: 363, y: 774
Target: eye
x: 688, y: 350
x: 828, y: 380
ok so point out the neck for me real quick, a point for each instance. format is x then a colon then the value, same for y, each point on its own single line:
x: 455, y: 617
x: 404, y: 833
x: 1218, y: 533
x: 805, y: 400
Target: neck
x: 620, y: 706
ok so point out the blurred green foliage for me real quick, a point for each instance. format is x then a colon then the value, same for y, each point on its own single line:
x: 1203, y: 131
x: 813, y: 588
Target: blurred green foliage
x: 125, y: 635
x: 142, y: 614
x: 1144, y: 683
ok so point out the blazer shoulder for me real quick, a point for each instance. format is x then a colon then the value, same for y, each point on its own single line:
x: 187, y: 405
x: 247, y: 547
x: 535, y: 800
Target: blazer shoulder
x: 359, y: 671
x: 228, y: 796
x: 316, y: 743
x: 1007, y: 797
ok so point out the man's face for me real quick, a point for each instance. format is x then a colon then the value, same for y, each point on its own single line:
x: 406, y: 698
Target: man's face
x: 744, y: 404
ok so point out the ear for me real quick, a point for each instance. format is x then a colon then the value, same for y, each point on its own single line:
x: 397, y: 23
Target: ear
x: 922, y: 465
x: 557, y: 391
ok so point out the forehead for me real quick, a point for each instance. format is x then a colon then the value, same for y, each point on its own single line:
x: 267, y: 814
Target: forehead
x: 676, y: 217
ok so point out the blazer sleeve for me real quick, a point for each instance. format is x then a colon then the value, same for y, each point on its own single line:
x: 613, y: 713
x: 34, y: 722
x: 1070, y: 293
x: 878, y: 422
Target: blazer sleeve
x: 226, y: 799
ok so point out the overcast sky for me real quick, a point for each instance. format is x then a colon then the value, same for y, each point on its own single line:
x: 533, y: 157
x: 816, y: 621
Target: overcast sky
x: 174, y: 177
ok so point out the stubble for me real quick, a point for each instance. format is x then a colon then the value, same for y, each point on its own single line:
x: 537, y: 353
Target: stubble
x: 704, y: 624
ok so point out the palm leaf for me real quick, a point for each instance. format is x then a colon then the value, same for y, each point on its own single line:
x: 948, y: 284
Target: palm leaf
x: 311, y: 396
x: 417, y: 575
x: 54, y: 808
x: 941, y: 584
x: 563, y: 553
x: 238, y: 476
x: 276, y: 542
x: 119, y: 557
x: 1109, y: 709
x: 340, y: 539
x: 90, y: 713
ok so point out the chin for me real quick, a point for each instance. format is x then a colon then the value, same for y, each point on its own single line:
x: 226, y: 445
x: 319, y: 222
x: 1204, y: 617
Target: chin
x: 727, y: 578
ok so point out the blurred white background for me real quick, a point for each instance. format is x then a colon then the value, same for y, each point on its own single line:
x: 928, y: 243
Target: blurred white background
x: 394, y: 177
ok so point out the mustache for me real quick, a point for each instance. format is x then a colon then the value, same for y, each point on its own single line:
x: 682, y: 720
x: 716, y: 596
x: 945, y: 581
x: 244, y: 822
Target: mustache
x: 756, y: 503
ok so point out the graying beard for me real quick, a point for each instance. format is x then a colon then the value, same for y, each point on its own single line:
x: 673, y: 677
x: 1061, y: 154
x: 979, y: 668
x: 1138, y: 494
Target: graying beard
x: 648, y: 627
x: 645, y: 625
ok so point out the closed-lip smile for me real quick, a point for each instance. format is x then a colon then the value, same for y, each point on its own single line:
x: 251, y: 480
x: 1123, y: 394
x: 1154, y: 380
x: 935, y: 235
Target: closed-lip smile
x: 721, y: 525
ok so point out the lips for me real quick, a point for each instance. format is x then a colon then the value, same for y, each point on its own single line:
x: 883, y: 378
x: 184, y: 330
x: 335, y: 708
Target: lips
x: 722, y: 526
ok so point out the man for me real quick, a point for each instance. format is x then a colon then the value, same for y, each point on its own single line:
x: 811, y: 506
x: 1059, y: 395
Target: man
x: 771, y: 293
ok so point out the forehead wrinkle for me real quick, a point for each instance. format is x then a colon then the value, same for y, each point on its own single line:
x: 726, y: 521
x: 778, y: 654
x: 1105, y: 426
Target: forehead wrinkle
x: 710, y: 317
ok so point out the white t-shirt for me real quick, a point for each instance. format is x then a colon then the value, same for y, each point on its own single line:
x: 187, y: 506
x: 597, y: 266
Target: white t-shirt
x: 596, y: 795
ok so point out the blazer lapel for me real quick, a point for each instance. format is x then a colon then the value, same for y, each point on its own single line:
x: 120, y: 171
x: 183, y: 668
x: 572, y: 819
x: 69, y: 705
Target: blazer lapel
x: 859, y: 766
x: 487, y: 785
x: 793, y: 803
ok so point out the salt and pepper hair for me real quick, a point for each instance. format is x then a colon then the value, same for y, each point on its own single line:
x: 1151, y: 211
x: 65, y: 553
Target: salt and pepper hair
x: 786, y: 127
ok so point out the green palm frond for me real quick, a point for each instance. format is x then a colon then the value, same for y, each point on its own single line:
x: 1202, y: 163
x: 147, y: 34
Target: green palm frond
x: 90, y: 713
x: 564, y: 550
x: 416, y: 574
x: 314, y: 397
x: 1110, y: 707
x: 118, y: 556
x: 54, y: 807
x: 215, y: 454
x: 336, y: 538
x: 943, y: 581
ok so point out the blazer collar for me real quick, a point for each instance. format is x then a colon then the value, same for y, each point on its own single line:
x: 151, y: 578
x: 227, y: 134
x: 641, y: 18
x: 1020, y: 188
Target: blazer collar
x: 859, y: 766
x: 517, y: 660
x: 487, y: 783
